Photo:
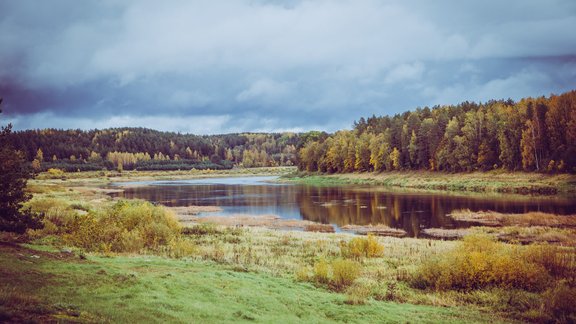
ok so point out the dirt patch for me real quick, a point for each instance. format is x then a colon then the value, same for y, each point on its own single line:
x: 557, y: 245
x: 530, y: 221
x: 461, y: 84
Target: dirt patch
x: 32, y: 256
x: 379, y: 229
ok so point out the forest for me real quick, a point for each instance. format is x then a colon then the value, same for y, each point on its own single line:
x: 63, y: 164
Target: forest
x: 146, y: 149
x: 533, y: 134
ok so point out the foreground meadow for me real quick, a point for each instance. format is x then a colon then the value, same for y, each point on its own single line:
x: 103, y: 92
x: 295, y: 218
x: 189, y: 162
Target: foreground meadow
x: 99, y: 259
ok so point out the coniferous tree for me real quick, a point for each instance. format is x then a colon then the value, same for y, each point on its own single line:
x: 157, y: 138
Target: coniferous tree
x: 14, y: 173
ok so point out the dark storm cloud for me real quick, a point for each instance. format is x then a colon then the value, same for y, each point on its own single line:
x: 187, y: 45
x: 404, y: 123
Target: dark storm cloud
x: 264, y: 65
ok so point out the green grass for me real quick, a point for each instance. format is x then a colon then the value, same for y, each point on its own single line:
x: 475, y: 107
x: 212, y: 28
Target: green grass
x: 58, y: 287
x: 164, y: 175
x: 493, y: 181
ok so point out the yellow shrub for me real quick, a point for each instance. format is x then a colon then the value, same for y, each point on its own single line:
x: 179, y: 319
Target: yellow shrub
x: 360, y: 247
x: 302, y: 273
x: 481, y: 262
x: 559, y: 303
x: 373, y: 247
x: 559, y: 261
x: 344, y: 272
x: 53, y: 173
x: 58, y: 215
x: 180, y: 248
x: 357, y: 294
x: 127, y: 226
x: 130, y: 241
x: 321, y: 271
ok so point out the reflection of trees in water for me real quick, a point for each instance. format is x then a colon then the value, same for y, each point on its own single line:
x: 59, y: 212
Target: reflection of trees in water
x: 214, y: 195
x: 342, y: 207
x: 411, y: 212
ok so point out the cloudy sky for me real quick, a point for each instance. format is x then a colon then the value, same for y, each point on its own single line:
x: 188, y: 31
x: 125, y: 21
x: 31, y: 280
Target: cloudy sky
x: 209, y: 67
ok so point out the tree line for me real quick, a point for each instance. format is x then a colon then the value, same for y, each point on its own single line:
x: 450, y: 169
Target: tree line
x: 146, y: 149
x: 533, y: 134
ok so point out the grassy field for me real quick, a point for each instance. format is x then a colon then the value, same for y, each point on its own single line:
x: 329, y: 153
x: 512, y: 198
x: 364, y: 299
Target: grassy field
x: 494, y: 181
x: 115, y: 176
x: 100, y: 260
x: 53, y: 286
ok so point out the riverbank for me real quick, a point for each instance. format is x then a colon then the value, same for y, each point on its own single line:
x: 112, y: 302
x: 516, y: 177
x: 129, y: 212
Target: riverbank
x: 489, y: 182
x: 106, y: 177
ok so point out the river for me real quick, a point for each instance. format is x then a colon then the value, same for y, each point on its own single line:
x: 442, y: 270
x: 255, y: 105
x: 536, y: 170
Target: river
x: 411, y: 211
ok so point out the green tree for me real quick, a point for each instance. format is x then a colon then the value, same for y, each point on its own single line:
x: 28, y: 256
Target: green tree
x: 14, y: 173
x: 362, y: 156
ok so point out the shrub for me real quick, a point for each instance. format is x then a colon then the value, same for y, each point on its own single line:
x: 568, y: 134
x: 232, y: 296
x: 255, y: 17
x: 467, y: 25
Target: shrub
x: 559, y: 303
x: 481, y: 262
x: 321, y: 272
x: 201, y: 229
x: 302, y: 273
x: 344, y: 272
x: 58, y: 216
x: 559, y: 261
x: 373, y: 247
x: 357, y: 294
x: 180, y: 248
x: 54, y: 173
x: 127, y: 226
x: 360, y: 247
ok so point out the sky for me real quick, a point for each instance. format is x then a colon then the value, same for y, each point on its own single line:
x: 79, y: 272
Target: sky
x: 212, y: 67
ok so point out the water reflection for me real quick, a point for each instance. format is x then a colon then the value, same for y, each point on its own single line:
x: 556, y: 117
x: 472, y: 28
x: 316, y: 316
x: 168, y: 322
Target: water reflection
x: 339, y: 205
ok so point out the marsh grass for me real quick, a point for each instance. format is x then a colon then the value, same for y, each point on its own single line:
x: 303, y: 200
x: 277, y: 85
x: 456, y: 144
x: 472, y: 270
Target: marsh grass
x: 492, y: 218
x: 126, y: 226
x: 131, y: 175
x: 480, y: 262
x: 493, y: 181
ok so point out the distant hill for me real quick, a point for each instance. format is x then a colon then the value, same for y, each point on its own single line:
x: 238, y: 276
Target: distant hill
x: 146, y: 149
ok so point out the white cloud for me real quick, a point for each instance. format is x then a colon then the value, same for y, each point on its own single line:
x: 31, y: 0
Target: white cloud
x: 405, y: 72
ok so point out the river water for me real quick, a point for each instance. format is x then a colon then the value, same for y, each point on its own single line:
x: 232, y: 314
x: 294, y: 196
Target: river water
x: 338, y: 205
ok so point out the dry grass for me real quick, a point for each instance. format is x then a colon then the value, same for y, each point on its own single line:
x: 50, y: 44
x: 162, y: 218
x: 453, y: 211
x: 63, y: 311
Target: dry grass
x: 491, y: 218
x: 480, y: 262
x: 510, y: 234
x: 493, y: 181
x: 446, y: 234
x: 188, y: 213
x: 379, y: 230
x: 266, y: 221
x: 165, y: 175
x: 321, y: 228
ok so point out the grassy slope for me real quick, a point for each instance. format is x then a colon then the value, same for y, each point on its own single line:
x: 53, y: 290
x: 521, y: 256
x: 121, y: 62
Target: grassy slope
x: 56, y: 286
x: 495, y: 181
